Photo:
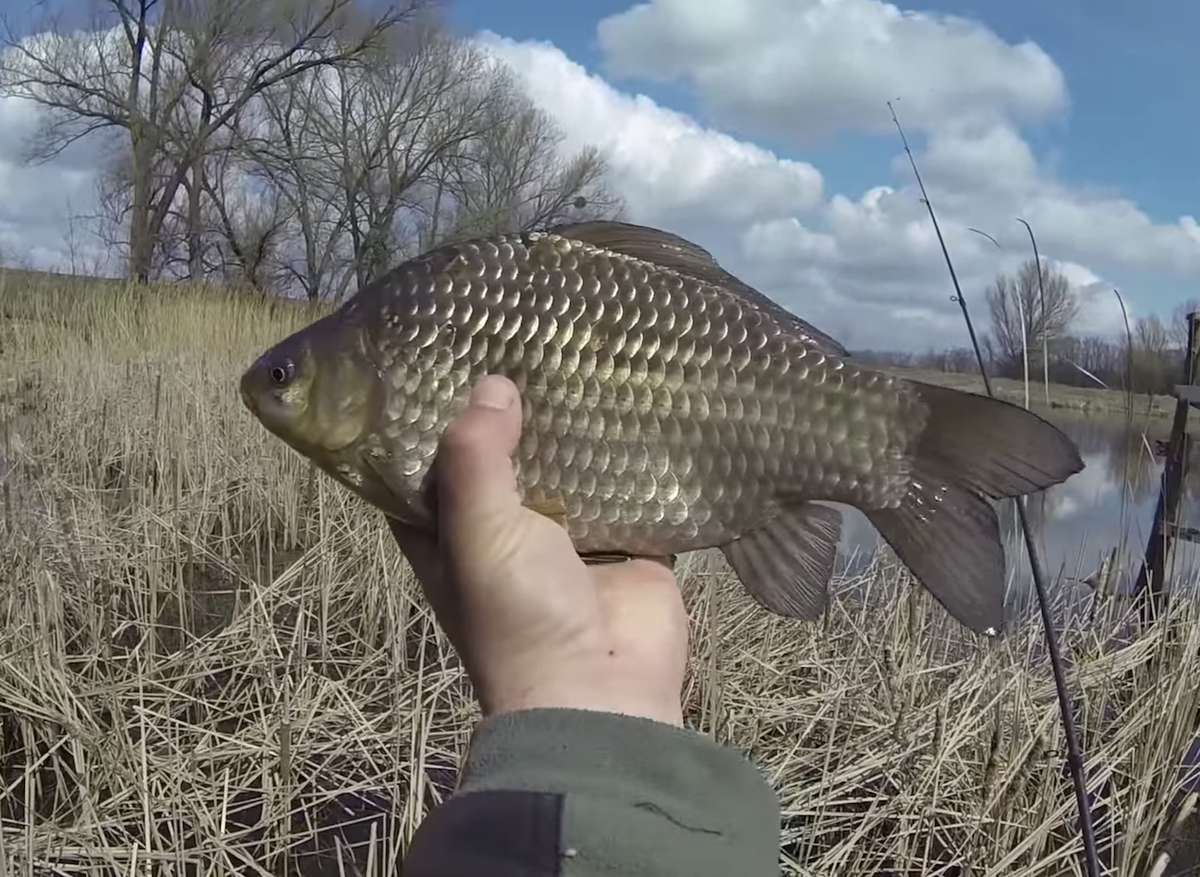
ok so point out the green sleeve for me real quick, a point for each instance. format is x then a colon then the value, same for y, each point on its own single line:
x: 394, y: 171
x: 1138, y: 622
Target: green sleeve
x: 637, y: 797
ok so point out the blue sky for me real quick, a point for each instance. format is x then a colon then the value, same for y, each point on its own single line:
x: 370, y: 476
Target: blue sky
x: 1134, y: 119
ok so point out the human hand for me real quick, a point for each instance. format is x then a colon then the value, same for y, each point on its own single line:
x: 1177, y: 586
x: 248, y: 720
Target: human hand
x: 534, y: 625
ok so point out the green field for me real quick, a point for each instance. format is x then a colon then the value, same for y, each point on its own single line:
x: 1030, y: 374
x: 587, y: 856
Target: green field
x: 202, y: 646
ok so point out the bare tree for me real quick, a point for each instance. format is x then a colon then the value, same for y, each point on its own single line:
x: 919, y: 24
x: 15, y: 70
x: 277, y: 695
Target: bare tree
x: 1178, y: 327
x: 1019, y: 316
x: 1079, y: 360
x: 1151, y: 356
x: 291, y: 148
x: 516, y: 177
x: 244, y: 226
x: 113, y: 218
x: 424, y: 142
x: 1090, y: 361
x: 173, y: 72
x: 351, y: 151
x: 406, y: 120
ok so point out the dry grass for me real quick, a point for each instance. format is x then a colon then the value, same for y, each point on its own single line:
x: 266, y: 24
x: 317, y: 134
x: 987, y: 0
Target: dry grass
x: 213, y: 663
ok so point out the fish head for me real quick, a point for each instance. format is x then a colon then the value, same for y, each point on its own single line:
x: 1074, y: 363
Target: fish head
x: 316, y: 389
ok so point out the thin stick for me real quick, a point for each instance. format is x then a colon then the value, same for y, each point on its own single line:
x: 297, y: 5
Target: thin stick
x: 1045, y: 320
x: 1074, y: 753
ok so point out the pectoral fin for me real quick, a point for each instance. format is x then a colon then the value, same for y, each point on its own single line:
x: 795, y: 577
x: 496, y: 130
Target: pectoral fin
x: 386, y: 490
x: 597, y: 559
x: 549, y: 507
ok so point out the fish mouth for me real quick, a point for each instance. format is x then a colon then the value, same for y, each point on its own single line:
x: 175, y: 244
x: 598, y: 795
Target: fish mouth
x: 244, y: 390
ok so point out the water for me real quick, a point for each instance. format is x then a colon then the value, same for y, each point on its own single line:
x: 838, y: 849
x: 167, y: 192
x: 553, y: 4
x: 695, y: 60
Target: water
x: 1109, y: 505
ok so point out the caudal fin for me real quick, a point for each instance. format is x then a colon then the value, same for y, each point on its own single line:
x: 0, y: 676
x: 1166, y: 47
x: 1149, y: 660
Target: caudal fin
x: 973, y: 449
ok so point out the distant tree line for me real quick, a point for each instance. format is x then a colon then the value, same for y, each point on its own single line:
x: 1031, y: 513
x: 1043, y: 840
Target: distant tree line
x: 1025, y: 316
x: 303, y: 146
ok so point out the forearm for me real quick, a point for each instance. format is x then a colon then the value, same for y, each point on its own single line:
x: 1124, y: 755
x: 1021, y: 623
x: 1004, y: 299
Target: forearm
x: 566, y: 793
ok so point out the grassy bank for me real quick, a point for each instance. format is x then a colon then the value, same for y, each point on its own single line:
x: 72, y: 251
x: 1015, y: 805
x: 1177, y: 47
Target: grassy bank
x: 1082, y: 400
x: 213, y: 661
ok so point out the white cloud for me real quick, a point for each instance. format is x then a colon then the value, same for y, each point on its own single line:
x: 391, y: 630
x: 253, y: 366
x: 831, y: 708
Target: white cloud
x: 1086, y: 490
x: 804, y: 68
x: 666, y: 164
x: 37, y: 201
x: 808, y: 68
x: 867, y: 270
x: 866, y: 267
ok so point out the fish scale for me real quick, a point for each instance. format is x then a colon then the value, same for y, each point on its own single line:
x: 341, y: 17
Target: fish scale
x: 618, y: 384
x: 666, y: 407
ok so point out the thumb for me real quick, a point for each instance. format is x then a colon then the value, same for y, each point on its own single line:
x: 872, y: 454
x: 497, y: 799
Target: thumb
x: 479, y: 503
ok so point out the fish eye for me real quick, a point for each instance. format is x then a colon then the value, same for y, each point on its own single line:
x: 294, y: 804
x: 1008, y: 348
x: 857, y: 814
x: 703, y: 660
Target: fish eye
x: 283, y: 372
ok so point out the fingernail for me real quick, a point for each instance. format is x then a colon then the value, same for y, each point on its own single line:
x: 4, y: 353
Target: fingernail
x: 492, y: 392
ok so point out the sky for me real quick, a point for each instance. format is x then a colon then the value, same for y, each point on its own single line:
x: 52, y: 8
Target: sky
x: 760, y: 130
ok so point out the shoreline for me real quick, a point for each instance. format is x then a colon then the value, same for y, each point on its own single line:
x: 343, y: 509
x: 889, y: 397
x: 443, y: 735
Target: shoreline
x: 1084, y: 400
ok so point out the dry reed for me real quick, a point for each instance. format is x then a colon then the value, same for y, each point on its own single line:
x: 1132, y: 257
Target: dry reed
x: 213, y: 662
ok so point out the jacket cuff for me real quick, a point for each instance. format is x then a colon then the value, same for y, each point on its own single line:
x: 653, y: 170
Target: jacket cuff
x: 636, y: 791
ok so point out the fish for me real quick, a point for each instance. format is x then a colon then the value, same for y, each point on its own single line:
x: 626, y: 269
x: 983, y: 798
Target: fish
x: 667, y: 407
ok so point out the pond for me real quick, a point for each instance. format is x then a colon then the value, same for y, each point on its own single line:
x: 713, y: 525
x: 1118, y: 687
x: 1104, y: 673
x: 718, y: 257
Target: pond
x: 1107, y: 507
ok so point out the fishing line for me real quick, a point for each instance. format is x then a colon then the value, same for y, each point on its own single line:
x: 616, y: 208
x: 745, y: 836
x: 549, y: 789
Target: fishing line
x: 1066, y: 707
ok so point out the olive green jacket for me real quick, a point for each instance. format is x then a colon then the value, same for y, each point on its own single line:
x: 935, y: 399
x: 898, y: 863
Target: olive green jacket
x: 568, y: 793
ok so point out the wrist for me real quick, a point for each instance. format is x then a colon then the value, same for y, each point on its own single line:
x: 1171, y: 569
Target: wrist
x: 657, y: 706
x: 627, y: 792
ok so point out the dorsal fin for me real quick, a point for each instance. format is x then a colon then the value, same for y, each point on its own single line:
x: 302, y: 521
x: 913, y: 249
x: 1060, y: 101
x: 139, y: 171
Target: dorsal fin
x: 642, y: 242
x: 681, y: 255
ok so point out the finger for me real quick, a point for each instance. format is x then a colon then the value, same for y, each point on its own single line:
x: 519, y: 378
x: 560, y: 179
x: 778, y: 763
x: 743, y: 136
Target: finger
x: 477, y: 488
x: 425, y: 559
x: 419, y: 550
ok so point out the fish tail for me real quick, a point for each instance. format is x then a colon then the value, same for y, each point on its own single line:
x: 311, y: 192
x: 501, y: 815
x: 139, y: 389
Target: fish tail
x: 973, y: 449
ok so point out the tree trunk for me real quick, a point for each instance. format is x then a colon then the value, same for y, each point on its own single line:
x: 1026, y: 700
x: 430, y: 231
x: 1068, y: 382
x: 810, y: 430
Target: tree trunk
x: 141, y: 244
x: 195, y: 193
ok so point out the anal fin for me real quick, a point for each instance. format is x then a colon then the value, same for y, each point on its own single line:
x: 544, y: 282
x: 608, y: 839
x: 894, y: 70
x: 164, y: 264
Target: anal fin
x: 786, y: 564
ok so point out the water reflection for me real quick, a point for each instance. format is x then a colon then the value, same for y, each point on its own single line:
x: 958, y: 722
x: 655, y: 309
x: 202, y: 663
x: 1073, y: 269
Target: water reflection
x: 1108, y: 506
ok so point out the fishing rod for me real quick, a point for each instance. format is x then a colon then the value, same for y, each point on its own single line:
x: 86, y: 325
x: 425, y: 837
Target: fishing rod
x: 1091, y: 857
x: 1042, y: 296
